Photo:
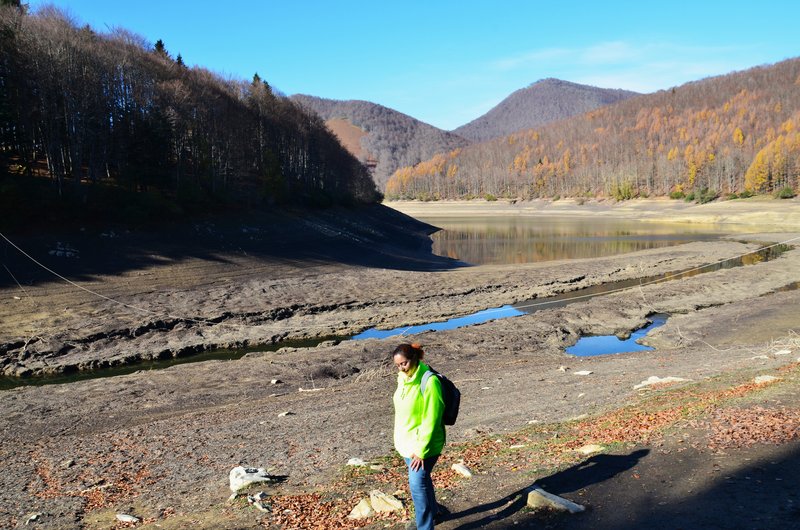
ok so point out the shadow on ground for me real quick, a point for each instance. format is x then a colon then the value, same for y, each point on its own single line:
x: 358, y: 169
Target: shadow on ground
x: 594, y: 470
x: 369, y: 236
x: 746, y: 488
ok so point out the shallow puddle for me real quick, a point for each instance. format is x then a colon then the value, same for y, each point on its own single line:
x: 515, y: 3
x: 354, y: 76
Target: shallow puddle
x: 505, y: 311
x: 592, y: 345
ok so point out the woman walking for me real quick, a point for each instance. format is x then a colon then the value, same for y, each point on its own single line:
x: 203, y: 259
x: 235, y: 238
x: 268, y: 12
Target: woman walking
x: 418, y: 428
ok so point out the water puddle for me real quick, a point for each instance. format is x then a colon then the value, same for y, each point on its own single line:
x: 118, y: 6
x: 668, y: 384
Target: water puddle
x: 505, y: 311
x: 592, y: 345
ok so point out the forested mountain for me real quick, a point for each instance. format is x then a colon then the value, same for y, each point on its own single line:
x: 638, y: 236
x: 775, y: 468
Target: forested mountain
x: 542, y: 102
x: 719, y: 135
x: 91, y: 111
x: 391, y: 140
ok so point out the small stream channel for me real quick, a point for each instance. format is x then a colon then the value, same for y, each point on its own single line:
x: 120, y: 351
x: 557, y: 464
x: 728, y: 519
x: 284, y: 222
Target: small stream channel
x: 506, y: 311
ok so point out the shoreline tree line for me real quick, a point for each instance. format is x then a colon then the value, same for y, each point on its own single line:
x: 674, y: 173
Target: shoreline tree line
x: 87, y: 111
x: 730, y: 135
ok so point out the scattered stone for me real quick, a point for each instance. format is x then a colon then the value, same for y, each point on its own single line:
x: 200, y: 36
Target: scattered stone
x: 461, y: 469
x: 241, y: 477
x: 287, y: 413
x: 356, y: 462
x: 67, y: 463
x: 539, y: 498
x: 783, y: 352
x: 383, y: 503
x: 125, y: 518
x: 276, y: 382
x: 33, y: 517
x: 655, y: 380
x: 257, y: 500
x: 590, y: 449
x: 584, y: 372
x: 362, y: 510
x: 765, y: 379
x: 562, y: 368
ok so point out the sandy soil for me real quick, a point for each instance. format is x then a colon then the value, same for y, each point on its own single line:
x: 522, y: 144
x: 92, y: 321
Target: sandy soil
x: 160, y: 443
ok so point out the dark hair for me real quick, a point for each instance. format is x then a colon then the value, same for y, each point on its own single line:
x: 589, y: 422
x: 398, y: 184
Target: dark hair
x: 412, y: 352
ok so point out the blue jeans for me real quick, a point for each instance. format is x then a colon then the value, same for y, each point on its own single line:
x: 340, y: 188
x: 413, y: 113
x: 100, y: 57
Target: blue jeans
x: 421, y: 486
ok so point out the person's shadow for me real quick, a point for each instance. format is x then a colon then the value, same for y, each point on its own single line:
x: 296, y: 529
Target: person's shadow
x: 593, y: 470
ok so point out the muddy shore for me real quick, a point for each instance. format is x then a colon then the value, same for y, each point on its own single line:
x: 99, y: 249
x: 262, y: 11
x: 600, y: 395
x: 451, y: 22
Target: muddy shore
x: 171, y: 436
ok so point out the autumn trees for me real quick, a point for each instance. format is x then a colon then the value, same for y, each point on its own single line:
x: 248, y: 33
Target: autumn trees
x: 110, y: 109
x: 723, y: 135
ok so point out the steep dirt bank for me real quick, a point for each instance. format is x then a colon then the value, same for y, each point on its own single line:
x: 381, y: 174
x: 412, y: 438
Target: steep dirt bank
x: 161, y: 443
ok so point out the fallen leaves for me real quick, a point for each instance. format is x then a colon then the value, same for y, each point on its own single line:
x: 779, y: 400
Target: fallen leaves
x: 743, y: 427
x: 310, y: 511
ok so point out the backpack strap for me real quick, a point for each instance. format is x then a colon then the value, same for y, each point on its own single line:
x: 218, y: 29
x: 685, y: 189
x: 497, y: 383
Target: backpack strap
x: 424, y: 381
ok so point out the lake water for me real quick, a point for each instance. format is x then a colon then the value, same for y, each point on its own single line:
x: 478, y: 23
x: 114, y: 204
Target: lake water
x: 500, y: 240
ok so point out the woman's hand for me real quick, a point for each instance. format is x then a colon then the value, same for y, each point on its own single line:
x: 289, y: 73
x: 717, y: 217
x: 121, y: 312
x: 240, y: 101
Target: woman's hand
x: 416, y: 463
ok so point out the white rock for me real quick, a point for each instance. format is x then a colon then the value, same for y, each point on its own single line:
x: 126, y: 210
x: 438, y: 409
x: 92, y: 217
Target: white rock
x: 562, y: 368
x: 764, y: 379
x: 275, y: 382
x: 125, y: 518
x: 783, y: 352
x: 538, y: 498
x: 362, y: 510
x: 758, y: 357
x: 655, y: 380
x: 518, y: 446
x: 287, y: 413
x: 356, y: 462
x: 584, y: 372
x: 383, y: 503
x: 33, y: 517
x: 241, y: 477
x: 461, y: 469
x: 590, y: 449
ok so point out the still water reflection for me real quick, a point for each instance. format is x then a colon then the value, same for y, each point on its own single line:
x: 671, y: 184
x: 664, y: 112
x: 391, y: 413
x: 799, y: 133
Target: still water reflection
x: 531, y: 239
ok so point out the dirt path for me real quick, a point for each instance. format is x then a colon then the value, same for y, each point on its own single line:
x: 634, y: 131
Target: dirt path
x: 160, y: 444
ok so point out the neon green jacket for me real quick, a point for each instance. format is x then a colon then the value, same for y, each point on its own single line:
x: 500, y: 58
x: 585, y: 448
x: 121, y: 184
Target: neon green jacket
x: 418, y: 425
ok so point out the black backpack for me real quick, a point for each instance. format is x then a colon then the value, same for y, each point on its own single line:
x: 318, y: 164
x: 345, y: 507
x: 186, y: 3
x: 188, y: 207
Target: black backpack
x: 450, y: 394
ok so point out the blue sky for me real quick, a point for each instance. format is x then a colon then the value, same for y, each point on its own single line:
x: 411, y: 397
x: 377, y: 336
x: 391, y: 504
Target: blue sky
x: 448, y: 62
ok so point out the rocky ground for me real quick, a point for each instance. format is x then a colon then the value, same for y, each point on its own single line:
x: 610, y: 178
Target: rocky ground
x: 160, y: 443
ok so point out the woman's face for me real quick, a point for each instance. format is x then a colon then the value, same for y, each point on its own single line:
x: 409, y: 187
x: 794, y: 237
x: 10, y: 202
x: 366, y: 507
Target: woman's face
x: 403, y: 364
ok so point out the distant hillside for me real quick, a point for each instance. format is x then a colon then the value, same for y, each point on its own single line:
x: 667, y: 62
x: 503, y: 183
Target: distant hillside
x: 391, y: 139
x: 542, y: 102
x: 718, y: 136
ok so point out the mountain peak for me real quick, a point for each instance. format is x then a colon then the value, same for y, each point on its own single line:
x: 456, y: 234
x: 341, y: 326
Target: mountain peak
x: 544, y: 101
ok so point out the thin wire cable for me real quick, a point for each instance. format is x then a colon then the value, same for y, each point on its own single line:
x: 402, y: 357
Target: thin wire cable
x: 95, y: 293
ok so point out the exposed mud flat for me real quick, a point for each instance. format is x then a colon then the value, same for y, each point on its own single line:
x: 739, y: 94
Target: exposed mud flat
x: 171, y: 436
